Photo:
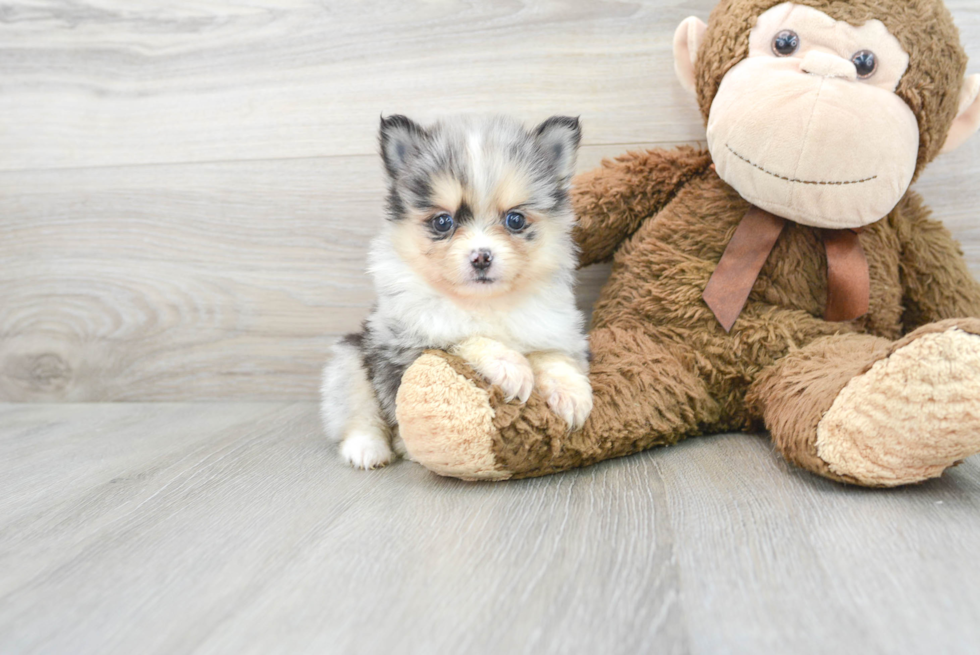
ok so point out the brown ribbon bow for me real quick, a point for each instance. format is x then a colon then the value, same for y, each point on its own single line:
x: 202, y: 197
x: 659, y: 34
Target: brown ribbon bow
x: 848, y: 282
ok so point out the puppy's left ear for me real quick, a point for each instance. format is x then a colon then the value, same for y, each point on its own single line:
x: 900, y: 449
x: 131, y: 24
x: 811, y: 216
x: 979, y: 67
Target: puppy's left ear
x: 401, y: 139
x: 558, y: 137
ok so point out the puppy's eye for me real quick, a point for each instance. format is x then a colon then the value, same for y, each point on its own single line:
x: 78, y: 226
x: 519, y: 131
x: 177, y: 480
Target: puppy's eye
x: 442, y: 223
x: 515, y: 221
x: 866, y: 63
x: 786, y: 43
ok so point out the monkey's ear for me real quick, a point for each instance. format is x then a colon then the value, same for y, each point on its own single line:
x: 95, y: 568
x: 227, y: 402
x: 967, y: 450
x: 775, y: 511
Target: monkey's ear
x: 968, y: 117
x: 401, y: 139
x: 558, y: 138
x: 687, y: 40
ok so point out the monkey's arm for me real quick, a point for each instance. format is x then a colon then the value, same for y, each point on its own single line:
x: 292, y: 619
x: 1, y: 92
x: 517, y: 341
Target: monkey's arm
x: 613, y: 200
x: 937, y: 283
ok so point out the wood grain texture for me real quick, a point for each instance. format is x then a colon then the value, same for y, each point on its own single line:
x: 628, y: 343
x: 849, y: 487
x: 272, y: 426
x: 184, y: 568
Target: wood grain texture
x: 182, y: 282
x: 234, y: 528
x: 110, y: 82
x: 187, y: 189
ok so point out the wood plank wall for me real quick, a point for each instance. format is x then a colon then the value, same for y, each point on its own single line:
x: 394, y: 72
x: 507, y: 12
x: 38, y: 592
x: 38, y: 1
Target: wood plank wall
x: 187, y: 188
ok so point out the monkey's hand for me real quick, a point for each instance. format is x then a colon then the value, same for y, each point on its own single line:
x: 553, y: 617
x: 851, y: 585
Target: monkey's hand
x: 612, y: 201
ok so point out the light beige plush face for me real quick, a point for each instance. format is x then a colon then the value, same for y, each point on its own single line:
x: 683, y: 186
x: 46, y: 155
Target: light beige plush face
x: 803, y: 135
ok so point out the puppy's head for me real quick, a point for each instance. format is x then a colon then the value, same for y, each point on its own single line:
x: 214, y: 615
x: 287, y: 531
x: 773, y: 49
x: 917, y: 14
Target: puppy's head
x: 479, y: 207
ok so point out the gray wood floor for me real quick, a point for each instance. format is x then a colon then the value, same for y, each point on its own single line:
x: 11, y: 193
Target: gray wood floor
x: 233, y: 528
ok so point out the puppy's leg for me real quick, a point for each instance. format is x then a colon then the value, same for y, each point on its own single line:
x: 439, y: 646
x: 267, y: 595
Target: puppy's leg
x: 563, y: 382
x: 350, y: 410
x: 500, y: 365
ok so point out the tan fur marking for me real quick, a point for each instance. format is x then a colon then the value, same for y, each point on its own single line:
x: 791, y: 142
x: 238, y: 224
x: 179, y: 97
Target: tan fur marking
x: 447, y: 193
x: 425, y: 256
x: 511, y: 191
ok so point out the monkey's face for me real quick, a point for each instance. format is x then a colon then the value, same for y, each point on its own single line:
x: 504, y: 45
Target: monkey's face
x: 809, y: 127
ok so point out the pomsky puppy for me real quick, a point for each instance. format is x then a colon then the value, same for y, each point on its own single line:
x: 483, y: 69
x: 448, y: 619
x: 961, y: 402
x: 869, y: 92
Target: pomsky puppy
x: 476, y: 258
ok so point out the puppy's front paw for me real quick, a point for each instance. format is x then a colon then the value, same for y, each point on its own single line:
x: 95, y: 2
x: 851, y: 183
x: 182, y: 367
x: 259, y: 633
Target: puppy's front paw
x: 499, y: 365
x: 568, y: 393
x: 366, y: 450
x: 511, y: 372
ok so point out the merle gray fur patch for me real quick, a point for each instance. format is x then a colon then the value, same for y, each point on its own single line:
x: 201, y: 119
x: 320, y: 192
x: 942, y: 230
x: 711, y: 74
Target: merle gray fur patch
x: 414, y: 155
x: 386, y: 354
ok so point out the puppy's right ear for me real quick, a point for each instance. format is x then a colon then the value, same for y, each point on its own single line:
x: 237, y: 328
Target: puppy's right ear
x: 558, y: 138
x: 401, y: 139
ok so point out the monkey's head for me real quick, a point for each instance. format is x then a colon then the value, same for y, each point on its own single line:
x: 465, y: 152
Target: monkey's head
x: 824, y: 111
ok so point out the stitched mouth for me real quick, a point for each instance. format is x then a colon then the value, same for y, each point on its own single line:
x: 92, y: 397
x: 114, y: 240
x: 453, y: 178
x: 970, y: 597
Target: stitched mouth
x: 798, y: 181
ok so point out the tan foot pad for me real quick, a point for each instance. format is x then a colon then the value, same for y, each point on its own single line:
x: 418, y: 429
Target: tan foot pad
x: 909, y: 417
x: 446, y: 421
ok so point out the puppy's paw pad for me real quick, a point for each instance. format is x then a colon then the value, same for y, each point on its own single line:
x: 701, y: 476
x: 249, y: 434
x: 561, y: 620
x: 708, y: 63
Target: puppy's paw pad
x: 364, y: 450
x: 569, y: 396
x: 512, y: 373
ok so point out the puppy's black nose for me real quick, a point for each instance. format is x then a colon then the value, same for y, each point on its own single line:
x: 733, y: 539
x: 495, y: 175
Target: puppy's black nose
x: 481, y: 259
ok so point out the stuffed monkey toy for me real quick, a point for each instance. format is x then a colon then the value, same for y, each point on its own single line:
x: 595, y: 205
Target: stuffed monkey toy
x: 785, y: 279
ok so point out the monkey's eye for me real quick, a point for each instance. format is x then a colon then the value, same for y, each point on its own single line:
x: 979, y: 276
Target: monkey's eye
x: 442, y: 223
x: 515, y: 221
x: 786, y: 43
x: 866, y: 63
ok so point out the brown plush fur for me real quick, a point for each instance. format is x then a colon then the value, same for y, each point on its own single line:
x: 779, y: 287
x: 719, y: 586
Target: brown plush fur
x: 663, y: 367
x: 795, y: 393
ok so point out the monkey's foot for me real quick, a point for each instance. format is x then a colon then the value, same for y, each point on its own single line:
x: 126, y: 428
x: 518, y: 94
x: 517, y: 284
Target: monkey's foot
x: 457, y: 424
x: 911, y: 415
x: 445, y: 417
